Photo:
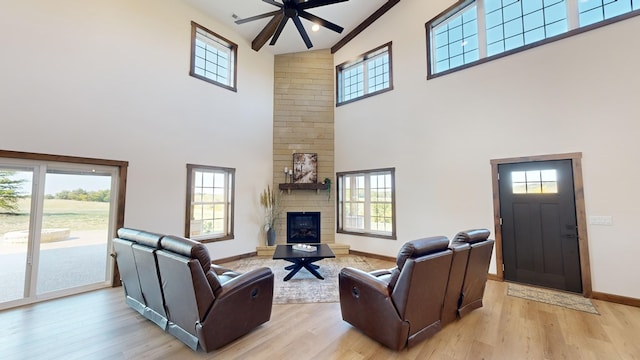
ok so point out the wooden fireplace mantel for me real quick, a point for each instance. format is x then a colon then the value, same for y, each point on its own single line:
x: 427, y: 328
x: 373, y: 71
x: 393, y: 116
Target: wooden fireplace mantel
x: 299, y: 186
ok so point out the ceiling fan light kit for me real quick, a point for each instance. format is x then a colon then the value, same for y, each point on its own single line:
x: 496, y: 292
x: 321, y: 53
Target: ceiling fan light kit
x: 294, y: 10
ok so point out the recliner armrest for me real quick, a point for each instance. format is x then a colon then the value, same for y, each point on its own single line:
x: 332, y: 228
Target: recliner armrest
x: 219, y: 270
x: 363, y: 296
x: 241, y: 304
x: 381, y: 272
x: 365, y: 279
x: 243, y: 280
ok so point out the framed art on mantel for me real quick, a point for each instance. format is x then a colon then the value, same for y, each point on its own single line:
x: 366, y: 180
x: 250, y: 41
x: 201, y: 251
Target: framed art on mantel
x: 305, y: 168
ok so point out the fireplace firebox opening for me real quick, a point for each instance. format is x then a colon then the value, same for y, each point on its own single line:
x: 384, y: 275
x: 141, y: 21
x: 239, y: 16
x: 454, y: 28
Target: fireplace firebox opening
x: 303, y: 227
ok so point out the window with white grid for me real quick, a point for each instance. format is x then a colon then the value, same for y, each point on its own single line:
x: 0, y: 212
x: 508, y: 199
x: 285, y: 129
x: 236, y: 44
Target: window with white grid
x: 369, y: 74
x: 213, y: 58
x: 366, y: 204
x: 210, y: 195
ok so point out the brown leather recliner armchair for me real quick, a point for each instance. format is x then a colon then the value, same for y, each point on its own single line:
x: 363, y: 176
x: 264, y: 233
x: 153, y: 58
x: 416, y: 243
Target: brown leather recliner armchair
x: 471, y: 257
x: 402, y: 306
x: 210, y: 306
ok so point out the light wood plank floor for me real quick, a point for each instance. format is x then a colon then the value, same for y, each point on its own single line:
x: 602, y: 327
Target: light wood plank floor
x: 98, y: 325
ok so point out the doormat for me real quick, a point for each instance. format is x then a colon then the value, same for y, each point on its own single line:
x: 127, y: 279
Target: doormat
x: 569, y: 301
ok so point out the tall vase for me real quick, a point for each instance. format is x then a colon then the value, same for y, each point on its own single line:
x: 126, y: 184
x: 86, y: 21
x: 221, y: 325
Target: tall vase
x: 271, y: 237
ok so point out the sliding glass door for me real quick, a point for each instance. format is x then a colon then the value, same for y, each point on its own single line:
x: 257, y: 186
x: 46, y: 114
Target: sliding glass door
x: 56, y: 224
x: 15, y: 216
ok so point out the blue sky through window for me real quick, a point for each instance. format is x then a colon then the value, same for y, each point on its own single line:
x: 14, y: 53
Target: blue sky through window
x: 456, y: 41
x: 593, y: 11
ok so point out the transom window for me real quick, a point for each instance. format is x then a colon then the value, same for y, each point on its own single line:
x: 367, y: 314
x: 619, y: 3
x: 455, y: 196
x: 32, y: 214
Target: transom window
x: 593, y: 11
x: 513, y: 23
x: 368, y: 75
x: 213, y: 58
x: 366, y: 203
x: 534, y: 182
x: 456, y: 41
x: 210, y: 195
x: 474, y: 31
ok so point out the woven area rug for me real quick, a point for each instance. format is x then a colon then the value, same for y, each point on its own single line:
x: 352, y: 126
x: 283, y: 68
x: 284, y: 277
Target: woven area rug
x: 304, y: 287
x: 569, y: 301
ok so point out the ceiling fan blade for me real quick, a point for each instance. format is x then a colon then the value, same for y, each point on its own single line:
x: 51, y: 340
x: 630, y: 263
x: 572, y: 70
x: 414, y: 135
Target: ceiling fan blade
x: 261, y: 16
x: 316, y: 3
x: 302, y: 32
x: 320, y: 21
x: 273, y: 3
x: 278, y: 31
x: 267, y: 32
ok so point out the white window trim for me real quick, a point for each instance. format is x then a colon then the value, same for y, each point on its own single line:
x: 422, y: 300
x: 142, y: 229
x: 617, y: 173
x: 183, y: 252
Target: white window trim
x: 229, y: 195
x: 366, y: 231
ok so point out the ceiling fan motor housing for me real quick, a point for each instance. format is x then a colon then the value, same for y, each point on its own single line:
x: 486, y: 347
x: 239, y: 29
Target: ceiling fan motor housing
x: 290, y: 9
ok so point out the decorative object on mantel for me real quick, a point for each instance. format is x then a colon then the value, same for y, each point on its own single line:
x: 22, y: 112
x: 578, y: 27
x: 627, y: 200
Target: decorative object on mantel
x: 305, y: 168
x: 270, y: 201
x: 327, y: 182
x: 288, y: 175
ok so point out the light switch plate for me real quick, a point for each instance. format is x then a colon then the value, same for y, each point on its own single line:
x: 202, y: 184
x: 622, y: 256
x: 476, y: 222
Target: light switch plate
x: 601, y: 220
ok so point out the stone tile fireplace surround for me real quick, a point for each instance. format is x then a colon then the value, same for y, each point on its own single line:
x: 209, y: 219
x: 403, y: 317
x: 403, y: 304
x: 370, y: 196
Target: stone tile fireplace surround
x: 303, y: 122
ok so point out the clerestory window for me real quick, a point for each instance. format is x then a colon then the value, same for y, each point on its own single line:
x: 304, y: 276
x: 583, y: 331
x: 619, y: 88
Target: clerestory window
x: 594, y: 11
x: 368, y: 75
x: 475, y: 31
x: 213, y: 58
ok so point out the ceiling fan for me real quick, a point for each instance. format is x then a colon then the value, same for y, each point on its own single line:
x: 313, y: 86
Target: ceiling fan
x: 290, y: 9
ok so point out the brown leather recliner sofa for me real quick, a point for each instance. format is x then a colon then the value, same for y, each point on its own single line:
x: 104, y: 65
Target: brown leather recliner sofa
x: 135, y: 255
x: 471, y: 257
x: 171, y: 281
x: 405, y: 305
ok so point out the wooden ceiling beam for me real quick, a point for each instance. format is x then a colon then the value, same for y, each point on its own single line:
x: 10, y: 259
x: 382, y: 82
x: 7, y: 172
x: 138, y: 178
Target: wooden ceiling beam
x: 365, y: 24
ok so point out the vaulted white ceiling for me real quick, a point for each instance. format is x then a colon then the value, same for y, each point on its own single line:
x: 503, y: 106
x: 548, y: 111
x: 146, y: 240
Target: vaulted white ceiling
x: 348, y: 14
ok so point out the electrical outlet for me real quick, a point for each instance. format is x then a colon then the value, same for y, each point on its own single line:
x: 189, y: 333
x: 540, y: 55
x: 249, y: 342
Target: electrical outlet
x: 601, y: 220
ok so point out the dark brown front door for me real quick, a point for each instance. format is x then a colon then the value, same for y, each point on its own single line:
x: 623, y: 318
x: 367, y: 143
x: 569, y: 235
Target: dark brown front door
x: 539, y: 228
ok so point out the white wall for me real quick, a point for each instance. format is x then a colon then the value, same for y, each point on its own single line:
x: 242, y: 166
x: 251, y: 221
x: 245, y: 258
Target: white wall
x: 110, y: 79
x: 575, y: 95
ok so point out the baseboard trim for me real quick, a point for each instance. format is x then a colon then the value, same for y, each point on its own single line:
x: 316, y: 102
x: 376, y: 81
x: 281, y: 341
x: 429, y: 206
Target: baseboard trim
x: 375, y: 256
x: 234, y: 258
x: 615, y: 299
x: 494, y: 277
